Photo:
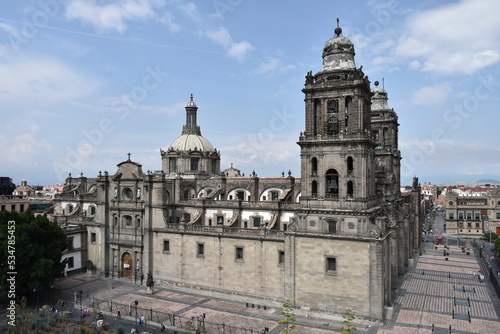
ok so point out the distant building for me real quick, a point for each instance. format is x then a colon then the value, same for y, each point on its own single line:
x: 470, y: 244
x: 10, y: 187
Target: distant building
x: 6, y: 186
x: 24, y: 190
x: 13, y: 203
x: 429, y: 192
x: 472, y: 211
x: 76, y: 252
x: 50, y: 191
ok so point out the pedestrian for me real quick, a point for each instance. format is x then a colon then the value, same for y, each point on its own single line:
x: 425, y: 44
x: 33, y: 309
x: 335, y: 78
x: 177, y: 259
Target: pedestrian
x: 143, y: 320
x: 162, y: 328
x: 118, y: 315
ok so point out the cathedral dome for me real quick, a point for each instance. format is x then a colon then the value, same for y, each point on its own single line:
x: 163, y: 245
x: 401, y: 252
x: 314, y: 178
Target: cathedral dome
x: 191, y: 138
x: 338, y: 53
x: 191, y: 142
x: 379, y: 98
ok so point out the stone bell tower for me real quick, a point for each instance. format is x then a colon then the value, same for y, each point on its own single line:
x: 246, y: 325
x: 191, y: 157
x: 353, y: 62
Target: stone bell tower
x: 337, y: 151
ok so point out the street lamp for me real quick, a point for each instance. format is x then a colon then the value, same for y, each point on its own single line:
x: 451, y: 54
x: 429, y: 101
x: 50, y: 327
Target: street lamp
x: 81, y: 309
x: 136, y: 302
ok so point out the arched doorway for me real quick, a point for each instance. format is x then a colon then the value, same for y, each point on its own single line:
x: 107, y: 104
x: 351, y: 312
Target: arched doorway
x: 127, y: 265
x: 332, y: 183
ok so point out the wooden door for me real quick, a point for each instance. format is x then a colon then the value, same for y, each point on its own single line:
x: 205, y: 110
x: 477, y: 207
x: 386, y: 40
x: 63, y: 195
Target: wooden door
x: 127, y: 265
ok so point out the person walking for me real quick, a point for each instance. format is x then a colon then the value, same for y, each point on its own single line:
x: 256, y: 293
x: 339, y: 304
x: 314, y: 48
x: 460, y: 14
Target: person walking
x: 118, y: 315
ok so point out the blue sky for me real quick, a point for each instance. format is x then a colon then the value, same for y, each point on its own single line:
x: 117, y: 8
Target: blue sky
x: 83, y: 83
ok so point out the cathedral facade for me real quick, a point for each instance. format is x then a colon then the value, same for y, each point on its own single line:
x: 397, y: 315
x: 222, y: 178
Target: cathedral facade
x: 337, y: 237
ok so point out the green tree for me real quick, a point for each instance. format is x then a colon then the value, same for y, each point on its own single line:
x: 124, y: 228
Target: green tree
x: 494, y: 236
x: 32, y: 247
x: 289, y: 317
x: 347, y: 326
x: 497, y: 245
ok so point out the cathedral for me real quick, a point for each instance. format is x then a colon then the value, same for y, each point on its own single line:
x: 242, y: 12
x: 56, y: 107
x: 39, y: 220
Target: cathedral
x: 337, y: 237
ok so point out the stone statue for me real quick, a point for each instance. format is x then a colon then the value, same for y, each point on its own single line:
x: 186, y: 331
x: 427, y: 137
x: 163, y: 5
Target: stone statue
x: 309, y: 78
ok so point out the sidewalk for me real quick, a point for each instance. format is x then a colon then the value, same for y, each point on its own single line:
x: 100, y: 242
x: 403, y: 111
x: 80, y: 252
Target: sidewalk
x: 437, y: 292
x: 444, y: 294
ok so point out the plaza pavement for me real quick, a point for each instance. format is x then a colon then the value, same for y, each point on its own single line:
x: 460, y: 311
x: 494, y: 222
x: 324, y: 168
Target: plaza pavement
x: 437, y: 294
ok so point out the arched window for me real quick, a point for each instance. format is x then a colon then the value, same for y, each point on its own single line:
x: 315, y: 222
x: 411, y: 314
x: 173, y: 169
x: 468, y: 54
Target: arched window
x: 350, y: 189
x: 347, y: 102
x: 332, y: 183
x: 314, y: 166
x: 350, y: 164
x: 333, y: 119
x: 314, y: 189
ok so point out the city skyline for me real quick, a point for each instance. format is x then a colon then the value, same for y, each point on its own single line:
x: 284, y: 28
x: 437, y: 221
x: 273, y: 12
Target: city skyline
x: 84, y: 83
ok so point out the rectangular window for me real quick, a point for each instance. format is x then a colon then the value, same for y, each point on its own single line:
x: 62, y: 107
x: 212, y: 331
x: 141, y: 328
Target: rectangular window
x: 498, y: 215
x: 70, y: 243
x: 281, y: 258
x: 256, y: 221
x: 71, y: 262
x: 469, y: 225
x: 331, y: 265
x: 469, y: 215
x: 476, y: 215
x: 3, y: 207
x: 240, y: 195
x: 93, y: 237
x: 13, y: 207
x: 173, y: 165
x: 460, y: 215
x: 239, y: 254
x: 200, y: 252
x: 166, y: 246
x: 274, y: 195
x: 21, y: 209
x: 194, y: 163
x: 478, y: 225
x: 450, y: 216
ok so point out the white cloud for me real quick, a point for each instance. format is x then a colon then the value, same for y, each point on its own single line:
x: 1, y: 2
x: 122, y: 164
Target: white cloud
x: 23, y: 150
x: 8, y: 29
x: 432, y: 95
x: 191, y: 11
x: 111, y: 16
x: 168, y: 19
x: 236, y: 50
x: 239, y: 50
x: 273, y: 65
x: 42, y: 81
x: 220, y: 36
x: 458, y: 38
x: 414, y: 65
